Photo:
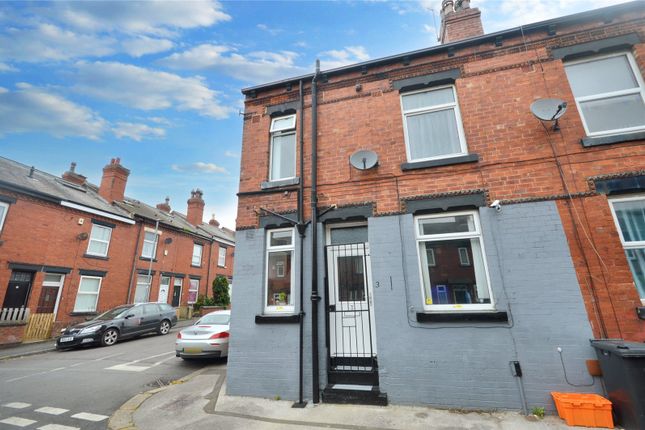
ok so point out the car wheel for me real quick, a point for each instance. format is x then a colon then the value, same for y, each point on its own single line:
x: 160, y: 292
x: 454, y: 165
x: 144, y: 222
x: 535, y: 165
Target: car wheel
x: 164, y: 327
x: 110, y: 337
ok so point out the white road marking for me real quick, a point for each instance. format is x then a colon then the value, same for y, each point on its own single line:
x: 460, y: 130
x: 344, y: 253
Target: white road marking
x: 63, y: 368
x: 17, y: 405
x: 18, y: 422
x: 57, y: 369
x: 52, y: 411
x: 90, y: 417
x: 132, y: 367
x: 57, y: 427
x: 108, y: 356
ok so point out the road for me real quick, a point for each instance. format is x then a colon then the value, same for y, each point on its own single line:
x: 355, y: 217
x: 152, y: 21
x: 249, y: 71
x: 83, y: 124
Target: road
x: 80, y: 389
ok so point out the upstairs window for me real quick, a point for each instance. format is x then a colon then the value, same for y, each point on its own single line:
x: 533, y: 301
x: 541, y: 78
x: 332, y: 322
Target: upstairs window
x: 197, y: 255
x: 452, y: 262
x: 149, y: 249
x: 629, y: 215
x: 4, y: 208
x: 282, y: 163
x: 609, y: 94
x: 221, y: 257
x: 99, y: 240
x: 432, y: 124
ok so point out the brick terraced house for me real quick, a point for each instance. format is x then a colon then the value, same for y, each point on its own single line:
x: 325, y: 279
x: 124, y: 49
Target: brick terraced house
x: 70, y: 249
x: 409, y: 231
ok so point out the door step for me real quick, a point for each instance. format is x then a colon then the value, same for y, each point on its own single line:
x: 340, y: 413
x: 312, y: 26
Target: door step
x: 369, y: 376
x: 356, y: 394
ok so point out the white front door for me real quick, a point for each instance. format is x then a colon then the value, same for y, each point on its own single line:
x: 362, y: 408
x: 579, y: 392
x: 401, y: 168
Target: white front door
x: 351, y: 316
x: 164, y: 286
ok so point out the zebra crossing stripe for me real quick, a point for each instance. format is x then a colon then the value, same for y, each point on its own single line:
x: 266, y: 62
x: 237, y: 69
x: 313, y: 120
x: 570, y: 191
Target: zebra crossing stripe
x: 17, y: 405
x: 52, y: 411
x: 57, y: 427
x: 90, y: 417
x: 17, y: 421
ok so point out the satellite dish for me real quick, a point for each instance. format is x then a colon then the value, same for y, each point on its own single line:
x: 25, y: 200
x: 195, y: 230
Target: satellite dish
x: 363, y: 159
x: 549, y: 110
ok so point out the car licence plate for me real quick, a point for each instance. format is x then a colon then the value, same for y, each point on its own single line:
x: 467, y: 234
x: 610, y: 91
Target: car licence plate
x: 192, y: 350
x: 67, y: 339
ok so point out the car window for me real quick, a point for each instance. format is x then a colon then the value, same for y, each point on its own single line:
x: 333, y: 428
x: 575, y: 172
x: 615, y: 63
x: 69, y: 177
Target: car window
x: 135, y: 311
x: 165, y: 307
x: 221, y: 319
x: 113, y: 313
x: 150, y: 309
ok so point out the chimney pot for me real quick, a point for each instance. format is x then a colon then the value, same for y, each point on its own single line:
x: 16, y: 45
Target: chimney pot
x: 195, y: 212
x: 459, y: 21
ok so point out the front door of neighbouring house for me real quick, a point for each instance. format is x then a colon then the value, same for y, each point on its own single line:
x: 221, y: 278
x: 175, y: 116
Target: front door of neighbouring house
x: 50, y: 293
x: 351, y: 332
x: 164, y: 285
x: 176, y: 293
x: 18, y: 290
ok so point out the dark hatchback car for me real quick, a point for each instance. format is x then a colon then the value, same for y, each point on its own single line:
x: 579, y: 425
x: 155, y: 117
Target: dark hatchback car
x: 122, y: 322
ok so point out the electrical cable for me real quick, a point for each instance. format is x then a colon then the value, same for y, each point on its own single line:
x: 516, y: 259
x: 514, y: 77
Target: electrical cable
x: 566, y: 377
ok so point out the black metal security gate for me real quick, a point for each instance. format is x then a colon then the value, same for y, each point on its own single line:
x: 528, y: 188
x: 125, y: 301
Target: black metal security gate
x: 350, y: 320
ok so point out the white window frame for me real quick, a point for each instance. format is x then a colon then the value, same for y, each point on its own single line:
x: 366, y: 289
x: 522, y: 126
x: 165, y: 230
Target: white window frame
x: 190, y: 288
x: 432, y: 258
x: 201, y: 255
x: 464, y: 258
x: 466, y: 307
x: 96, y: 302
x: 283, y: 131
x: 89, y: 242
x: 640, y: 90
x: 4, y: 214
x: 221, y: 257
x: 58, y: 284
x: 154, y: 245
x: 627, y: 245
x: 289, y: 308
x: 435, y: 108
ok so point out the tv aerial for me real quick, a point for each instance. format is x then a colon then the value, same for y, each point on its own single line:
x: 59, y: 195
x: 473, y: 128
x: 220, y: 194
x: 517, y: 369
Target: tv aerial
x: 364, y: 159
x: 549, y: 110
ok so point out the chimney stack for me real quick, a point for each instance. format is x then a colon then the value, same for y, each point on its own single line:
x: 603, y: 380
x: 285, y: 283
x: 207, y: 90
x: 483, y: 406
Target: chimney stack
x: 213, y: 221
x: 459, y: 21
x: 72, y: 176
x: 165, y: 206
x: 115, y: 177
x: 195, y: 213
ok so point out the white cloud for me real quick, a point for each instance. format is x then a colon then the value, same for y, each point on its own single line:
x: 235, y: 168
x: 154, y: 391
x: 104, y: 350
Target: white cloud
x: 231, y: 154
x: 147, y: 89
x: 5, y: 68
x: 259, y: 66
x: 136, y: 131
x: 33, y: 109
x: 199, y: 166
x: 47, y: 42
x: 138, y: 17
x: 342, y: 57
x: 144, y: 45
x: 271, y: 30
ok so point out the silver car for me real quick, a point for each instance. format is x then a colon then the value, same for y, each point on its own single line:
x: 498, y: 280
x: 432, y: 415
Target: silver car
x: 208, y: 337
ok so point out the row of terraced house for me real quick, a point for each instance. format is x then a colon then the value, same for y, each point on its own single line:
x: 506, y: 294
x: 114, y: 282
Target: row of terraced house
x: 70, y: 249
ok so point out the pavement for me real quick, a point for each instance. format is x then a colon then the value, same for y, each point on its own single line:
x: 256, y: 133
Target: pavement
x: 199, y: 402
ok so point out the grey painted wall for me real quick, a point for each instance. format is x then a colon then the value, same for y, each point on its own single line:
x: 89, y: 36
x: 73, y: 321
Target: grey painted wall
x: 449, y: 364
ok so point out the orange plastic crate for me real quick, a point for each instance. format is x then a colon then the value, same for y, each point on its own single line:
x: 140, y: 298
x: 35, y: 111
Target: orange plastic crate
x: 588, y: 410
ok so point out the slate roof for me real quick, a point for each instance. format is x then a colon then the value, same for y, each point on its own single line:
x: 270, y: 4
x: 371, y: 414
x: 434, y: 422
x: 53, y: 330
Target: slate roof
x: 16, y: 176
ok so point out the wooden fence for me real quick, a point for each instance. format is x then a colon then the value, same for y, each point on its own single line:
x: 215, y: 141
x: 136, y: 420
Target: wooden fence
x: 12, y: 316
x: 39, y: 327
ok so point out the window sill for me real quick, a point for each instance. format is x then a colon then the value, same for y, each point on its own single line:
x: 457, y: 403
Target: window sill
x: 460, y: 159
x: 277, y: 319
x: 223, y: 267
x: 589, y: 142
x: 154, y: 260
x: 477, y: 316
x: 96, y: 257
x: 195, y: 265
x: 279, y: 183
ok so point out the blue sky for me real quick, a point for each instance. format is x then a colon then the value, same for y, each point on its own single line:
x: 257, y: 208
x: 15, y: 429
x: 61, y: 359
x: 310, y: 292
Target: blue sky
x: 157, y: 83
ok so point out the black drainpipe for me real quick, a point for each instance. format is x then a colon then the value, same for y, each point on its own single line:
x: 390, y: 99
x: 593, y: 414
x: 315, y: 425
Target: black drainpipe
x: 315, y: 298
x: 302, y: 228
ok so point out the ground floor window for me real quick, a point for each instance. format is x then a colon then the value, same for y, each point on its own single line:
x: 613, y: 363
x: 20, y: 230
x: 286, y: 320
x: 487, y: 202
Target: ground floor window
x: 452, y: 262
x: 88, y: 294
x: 193, y: 289
x: 279, y: 273
x: 629, y: 215
x: 142, y: 291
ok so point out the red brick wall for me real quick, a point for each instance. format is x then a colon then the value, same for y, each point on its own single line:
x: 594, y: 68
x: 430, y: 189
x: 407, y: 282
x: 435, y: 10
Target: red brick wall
x: 516, y: 155
x: 10, y: 334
